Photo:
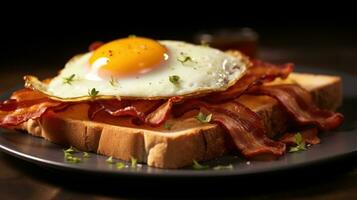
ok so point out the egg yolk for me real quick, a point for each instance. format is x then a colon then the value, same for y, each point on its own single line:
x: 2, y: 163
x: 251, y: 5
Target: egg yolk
x: 128, y: 56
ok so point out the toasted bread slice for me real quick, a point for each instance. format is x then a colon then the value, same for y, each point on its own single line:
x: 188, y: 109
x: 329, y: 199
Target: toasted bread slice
x: 185, y: 141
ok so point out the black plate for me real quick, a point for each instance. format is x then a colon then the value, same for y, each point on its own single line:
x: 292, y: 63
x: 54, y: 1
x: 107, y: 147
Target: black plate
x: 334, y: 145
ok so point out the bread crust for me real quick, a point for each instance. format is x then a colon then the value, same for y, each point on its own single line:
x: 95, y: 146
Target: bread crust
x: 187, y: 139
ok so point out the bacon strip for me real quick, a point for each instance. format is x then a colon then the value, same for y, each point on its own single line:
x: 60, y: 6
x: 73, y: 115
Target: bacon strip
x: 300, y: 106
x: 153, y: 112
x: 138, y: 109
x: 26, y: 104
x: 159, y: 116
x: 257, y: 74
x: 308, y: 136
x: 243, y: 125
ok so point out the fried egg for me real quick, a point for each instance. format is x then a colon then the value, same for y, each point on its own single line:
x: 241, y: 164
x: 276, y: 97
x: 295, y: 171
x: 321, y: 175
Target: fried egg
x: 142, y: 68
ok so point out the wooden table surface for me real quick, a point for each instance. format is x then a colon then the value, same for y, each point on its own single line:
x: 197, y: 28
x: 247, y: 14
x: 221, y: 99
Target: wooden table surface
x: 338, y: 180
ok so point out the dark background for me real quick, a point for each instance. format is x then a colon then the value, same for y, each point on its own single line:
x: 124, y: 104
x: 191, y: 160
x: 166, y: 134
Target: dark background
x: 46, y: 37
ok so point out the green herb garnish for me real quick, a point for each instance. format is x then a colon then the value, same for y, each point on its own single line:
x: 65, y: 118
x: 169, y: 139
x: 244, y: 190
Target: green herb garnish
x: 110, y: 160
x: 184, y: 59
x: 119, y: 165
x: 300, y: 144
x: 93, y: 92
x: 113, y: 82
x: 222, y: 167
x: 69, y: 80
x: 134, y: 162
x: 70, y: 150
x: 86, y: 155
x: 167, y: 126
x: 68, y: 155
x: 174, y: 79
x: 131, y: 36
x: 72, y: 159
x: 198, y: 166
x: 204, y: 118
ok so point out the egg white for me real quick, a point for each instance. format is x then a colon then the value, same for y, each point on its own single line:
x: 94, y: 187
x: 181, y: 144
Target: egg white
x: 200, y: 70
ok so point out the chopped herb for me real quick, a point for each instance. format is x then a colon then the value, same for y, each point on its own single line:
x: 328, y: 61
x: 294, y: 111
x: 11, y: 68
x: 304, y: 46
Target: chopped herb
x: 119, y: 165
x: 198, y: 166
x: 167, y: 126
x: 300, y: 144
x: 297, y: 148
x: 68, y: 155
x: 72, y: 159
x: 132, y: 36
x: 174, y: 79
x: 69, y: 80
x: 222, y: 167
x: 184, y: 59
x: 70, y: 150
x: 93, y: 92
x: 110, y: 160
x: 204, y: 118
x: 86, y: 155
x: 134, y: 162
x: 113, y: 82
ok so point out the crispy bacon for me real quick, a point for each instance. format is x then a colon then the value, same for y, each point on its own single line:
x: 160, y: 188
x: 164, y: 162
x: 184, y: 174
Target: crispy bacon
x: 159, y: 116
x: 137, y: 108
x: 257, y: 74
x: 26, y: 104
x: 308, y: 136
x: 300, y: 106
x: 109, y: 106
x: 243, y: 125
x: 152, y: 112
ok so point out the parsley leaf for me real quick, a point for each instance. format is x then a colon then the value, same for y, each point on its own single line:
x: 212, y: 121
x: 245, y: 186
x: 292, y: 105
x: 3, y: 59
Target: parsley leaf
x: 69, y: 80
x: 204, y: 118
x: 113, y: 82
x: 198, y: 166
x: 93, y: 92
x: 72, y: 159
x: 68, y: 155
x: 134, y: 162
x: 300, y: 144
x: 222, y: 167
x: 298, y: 138
x: 184, y: 59
x: 119, y: 165
x: 86, y: 155
x: 167, y: 126
x: 70, y: 150
x: 131, y: 36
x: 110, y: 160
x: 174, y: 79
